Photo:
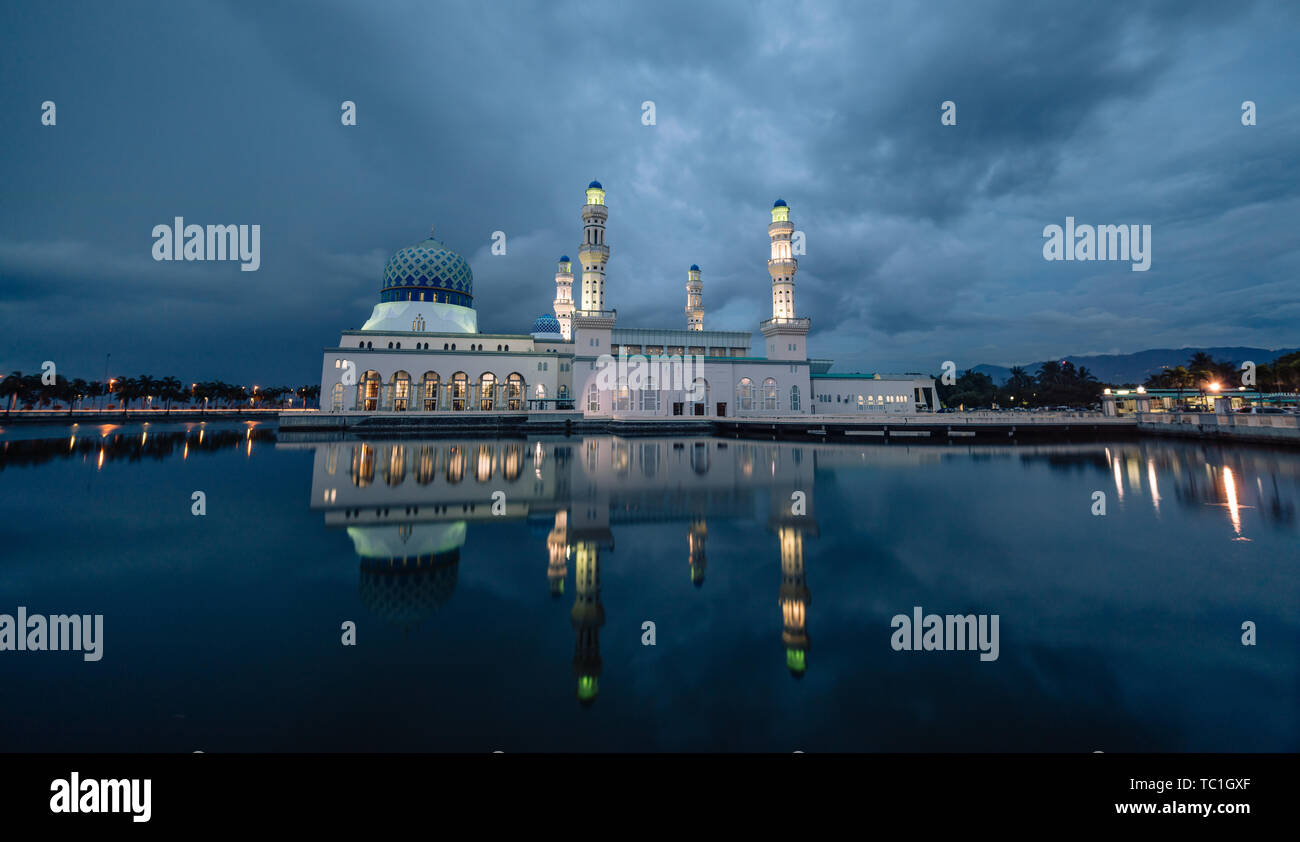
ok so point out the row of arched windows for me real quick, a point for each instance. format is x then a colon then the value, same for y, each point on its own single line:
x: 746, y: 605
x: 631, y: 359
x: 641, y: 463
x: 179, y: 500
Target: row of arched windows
x: 402, y: 394
x: 426, y: 462
x: 749, y: 397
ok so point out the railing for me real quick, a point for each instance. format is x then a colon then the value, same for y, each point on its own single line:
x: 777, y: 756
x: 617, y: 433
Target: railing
x: 801, y: 321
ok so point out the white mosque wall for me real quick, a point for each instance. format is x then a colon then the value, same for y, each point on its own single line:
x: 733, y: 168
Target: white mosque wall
x: 394, y: 380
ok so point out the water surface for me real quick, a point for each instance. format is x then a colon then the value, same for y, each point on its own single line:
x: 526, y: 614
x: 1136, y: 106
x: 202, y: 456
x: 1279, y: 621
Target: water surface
x: 771, y: 572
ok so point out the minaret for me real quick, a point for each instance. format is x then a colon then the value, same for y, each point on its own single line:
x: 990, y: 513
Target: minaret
x: 587, y: 616
x: 794, y: 598
x: 786, y: 333
x: 594, y: 253
x: 557, y: 550
x: 782, y: 265
x: 564, y: 298
x: 793, y: 521
x: 694, y: 299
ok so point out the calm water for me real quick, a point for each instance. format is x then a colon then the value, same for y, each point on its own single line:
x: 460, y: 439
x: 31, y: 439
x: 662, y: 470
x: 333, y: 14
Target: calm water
x: 522, y: 631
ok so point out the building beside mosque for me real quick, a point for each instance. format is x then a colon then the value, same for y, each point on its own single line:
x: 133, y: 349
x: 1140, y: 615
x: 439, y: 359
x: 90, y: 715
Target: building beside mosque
x: 421, y: 351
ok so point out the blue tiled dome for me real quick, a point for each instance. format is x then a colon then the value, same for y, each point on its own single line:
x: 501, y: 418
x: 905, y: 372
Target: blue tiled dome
x: 694, y: 268
x: 546, y: 323
x: 595, y: 184
x: 779, y: 203
x: 428, y: 271
x: 564, y: 258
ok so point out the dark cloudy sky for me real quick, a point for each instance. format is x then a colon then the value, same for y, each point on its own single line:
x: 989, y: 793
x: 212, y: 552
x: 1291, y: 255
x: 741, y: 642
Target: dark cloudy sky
x: 924, y: 241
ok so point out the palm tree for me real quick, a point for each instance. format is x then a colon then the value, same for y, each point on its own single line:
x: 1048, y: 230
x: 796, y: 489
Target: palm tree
x: 10, y: 387
x: 170, y: 389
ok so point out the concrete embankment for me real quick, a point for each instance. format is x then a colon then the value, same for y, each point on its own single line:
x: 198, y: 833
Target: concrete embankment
x: 1267, y: 429
x: 991, y: 426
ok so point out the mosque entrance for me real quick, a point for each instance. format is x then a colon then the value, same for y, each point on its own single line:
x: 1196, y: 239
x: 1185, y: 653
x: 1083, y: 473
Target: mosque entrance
x: 722, y: 410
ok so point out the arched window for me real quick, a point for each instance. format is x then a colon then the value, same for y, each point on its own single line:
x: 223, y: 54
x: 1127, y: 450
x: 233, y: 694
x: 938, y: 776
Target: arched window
x: 769, y: 395
x: 498, y: 347
x: 650, y: 396
x: 426, y: 464
x: 336, y: 398
x: 395, y: 465
x: 512, y: 461
x: 515, y: 391
x: 485, y: 462
x: 430, y: 391
x: 487, y: 391
x: 698, y: 396
x: 401, y: 384
x: 794, y: 398
x: 745, y: 394
x: 363, y: 465
x: 456, y: 460
x: 861, y: 404
x: 459, y: 391
x: 593, y: 398
x: 368, y: 391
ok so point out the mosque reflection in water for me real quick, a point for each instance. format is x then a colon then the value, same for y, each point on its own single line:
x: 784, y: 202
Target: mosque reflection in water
x: 407, y: 507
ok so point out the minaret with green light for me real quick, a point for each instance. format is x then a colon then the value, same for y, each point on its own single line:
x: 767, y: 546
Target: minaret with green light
x: 694, y: 299
x: 587, y: 616
x: 594, y: 253
x: 564, y: 298
x: 791, y: 517
x: 785, y: 333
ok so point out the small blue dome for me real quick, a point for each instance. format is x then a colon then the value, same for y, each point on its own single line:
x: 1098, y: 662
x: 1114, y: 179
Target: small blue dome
x: 595, y: 184
x: 546, y: 323
x: 564, y: 258
x: 779, y: 203
x: 694, y: 268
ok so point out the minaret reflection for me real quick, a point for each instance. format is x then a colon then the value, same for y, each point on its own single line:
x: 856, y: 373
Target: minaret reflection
x: 588, y: 616
x: 557, y: 548
x: 696, y: 537
x: 791, y: 518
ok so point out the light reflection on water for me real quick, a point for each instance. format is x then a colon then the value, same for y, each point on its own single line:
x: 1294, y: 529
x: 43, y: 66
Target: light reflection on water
x: 505, y: 584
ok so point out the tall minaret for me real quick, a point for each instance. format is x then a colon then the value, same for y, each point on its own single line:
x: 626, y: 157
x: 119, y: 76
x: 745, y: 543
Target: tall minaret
x: 564, y: 298
x: 694, y: 299
x: 557, y: 550
x: 594, y: 253
x: 587, y: 616
x: 782, y: 265
x: 786, y: 333
x: 793, y: 518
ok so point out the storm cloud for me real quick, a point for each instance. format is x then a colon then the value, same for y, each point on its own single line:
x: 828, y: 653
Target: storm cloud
x: 923, y: 241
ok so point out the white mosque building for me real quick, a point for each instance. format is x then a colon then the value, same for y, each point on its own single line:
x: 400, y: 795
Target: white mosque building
x: 421, y: 350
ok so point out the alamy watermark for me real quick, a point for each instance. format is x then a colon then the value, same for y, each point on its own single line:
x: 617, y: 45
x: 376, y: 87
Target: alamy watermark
x: 1099, y: 242
x: 949, y: 633
x: 213, y: 242
x: 56, y: 633
x: 656, y: 372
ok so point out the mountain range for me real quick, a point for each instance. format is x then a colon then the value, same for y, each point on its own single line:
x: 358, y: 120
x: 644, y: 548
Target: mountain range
x: 1135, y: 368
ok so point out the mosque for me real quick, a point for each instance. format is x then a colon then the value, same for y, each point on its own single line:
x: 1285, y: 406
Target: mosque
x: 421, y: 350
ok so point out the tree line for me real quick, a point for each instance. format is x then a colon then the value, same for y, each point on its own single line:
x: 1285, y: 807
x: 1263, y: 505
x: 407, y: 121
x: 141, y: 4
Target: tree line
x: 1054, y: 384
x: 1064, y: 384
x: 1282, y: 375
x: 30, y: 391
